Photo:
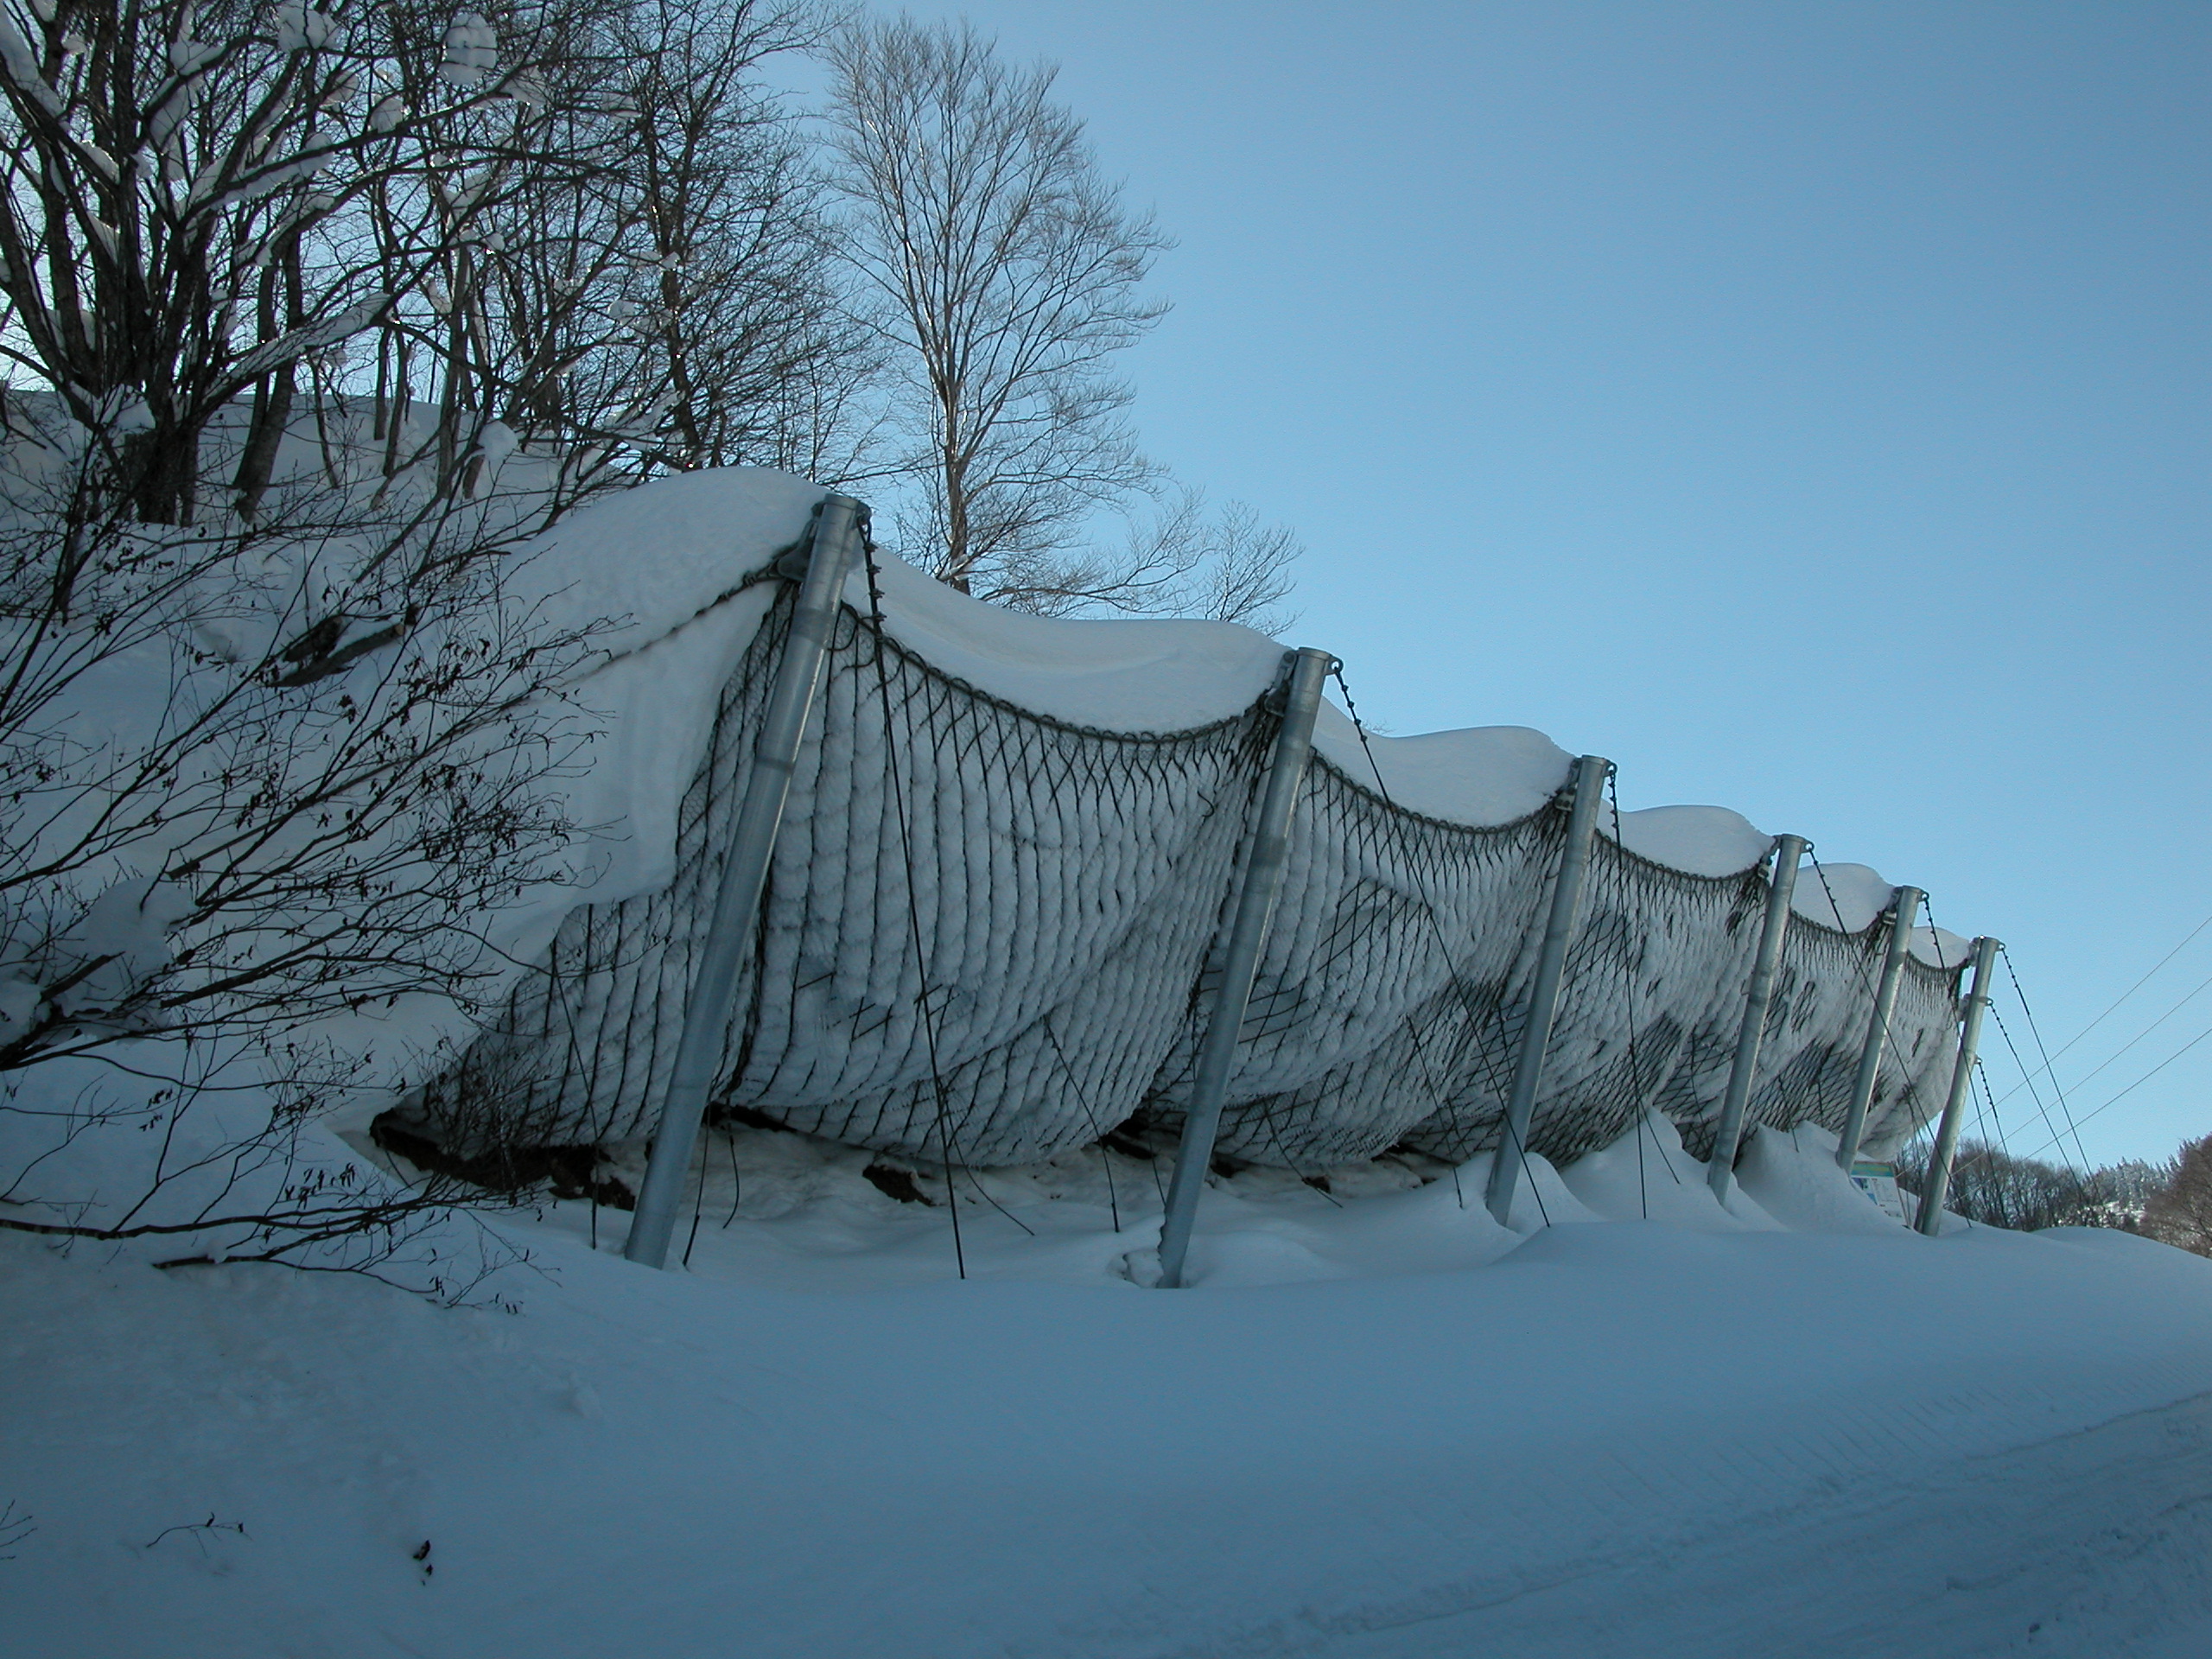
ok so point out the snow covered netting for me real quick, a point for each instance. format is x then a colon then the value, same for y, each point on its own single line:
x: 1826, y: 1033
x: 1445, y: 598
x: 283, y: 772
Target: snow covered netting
x: 1652, y: 1006
x: 1009, y: 856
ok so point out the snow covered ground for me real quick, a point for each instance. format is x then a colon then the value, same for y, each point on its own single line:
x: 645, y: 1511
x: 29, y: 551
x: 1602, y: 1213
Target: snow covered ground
x: 1637, y: 1422
x: 1379, y: 1426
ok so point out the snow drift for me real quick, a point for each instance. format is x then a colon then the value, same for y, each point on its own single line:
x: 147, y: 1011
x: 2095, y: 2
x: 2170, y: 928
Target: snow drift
x: 1390, y: 1428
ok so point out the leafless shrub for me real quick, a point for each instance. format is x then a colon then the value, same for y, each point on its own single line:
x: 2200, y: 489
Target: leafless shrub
x: 278, y: 723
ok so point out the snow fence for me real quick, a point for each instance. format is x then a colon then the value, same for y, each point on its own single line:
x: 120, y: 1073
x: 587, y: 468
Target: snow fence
x: 987, y: 933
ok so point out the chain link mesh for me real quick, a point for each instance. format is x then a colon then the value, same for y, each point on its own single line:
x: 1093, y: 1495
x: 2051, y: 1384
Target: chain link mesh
x: 1066, y: 889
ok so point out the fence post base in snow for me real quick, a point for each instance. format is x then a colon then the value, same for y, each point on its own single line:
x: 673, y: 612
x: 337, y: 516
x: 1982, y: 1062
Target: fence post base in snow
x: 1591, y: 773
x: 1759, y: 994
x: 840, y: 526
x: 1266, y: 853
x: 1903, y: 913
x: 1937, y: 1186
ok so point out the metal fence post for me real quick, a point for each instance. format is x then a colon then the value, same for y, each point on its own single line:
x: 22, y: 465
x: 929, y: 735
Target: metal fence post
x: 1728, y: 1134
x: 1267, y: 850
x: 1903, y: 913
x: 1937, y: 1186
x: 1591, y: 773
x: 839, y: 528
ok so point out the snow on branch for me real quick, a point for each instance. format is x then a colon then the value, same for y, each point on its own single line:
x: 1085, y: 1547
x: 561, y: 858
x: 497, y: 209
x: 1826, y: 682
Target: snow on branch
x: 318, y: 337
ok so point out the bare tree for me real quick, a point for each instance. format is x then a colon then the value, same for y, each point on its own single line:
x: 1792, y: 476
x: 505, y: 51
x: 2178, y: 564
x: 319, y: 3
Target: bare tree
x: 585, y: 222
x: 1989, y: 1184
x: 739, y: 317
x: 201, y: 199
x: 675, y: 305
x: 278, y: 721
x: 257, y: 775
x: 2179, y: 1213
x: 1183, y: 560
x: 275, y: 725
x: 1001, y: 272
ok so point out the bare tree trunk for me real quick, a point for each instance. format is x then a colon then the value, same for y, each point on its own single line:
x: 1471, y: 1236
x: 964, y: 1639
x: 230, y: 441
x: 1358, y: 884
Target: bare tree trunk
x: 272, y: 415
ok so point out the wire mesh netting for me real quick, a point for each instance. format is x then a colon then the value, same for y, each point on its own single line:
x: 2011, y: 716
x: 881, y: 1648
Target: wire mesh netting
x: 987, y: 934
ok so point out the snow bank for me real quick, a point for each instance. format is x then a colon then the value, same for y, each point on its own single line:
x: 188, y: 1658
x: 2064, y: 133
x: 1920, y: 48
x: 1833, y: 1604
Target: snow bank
x: 1795, y: 1179
x: 1647, y: 1176
x: 1377, y: 1425
x: 1610, y: 1441
x: 1122, y: 675
x: 187, y: 1138
x: 1700, y: 840
x: 1252, y: 1237
x: 665, y: 568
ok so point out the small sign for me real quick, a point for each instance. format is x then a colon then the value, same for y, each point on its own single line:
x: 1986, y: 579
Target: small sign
x: 1879, y: 1181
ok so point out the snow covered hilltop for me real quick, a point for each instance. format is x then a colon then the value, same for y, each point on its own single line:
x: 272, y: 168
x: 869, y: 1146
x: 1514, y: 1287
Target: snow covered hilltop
x: 1003, y: 875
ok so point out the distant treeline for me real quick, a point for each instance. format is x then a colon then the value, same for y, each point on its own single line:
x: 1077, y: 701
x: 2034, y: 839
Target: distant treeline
x: 2170, y: 1201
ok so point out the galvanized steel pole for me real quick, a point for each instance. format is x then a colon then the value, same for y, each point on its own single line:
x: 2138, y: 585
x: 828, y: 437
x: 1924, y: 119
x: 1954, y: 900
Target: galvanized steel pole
x: 839, y: 525
x: 1266, y: 853
x: 1590, y: 774
x: 1938, y: 1184
x: 1903, y: 913
x: 1720, y: 1174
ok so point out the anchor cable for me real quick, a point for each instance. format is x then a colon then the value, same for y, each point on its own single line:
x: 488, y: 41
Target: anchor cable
x: 913, y: 906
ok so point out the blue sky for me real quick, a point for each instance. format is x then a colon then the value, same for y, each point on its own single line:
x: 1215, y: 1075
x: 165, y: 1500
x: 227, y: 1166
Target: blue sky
x: 1804, y: 405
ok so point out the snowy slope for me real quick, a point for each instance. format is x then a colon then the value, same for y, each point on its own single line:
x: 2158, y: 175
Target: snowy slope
x: 1386, y: 1428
